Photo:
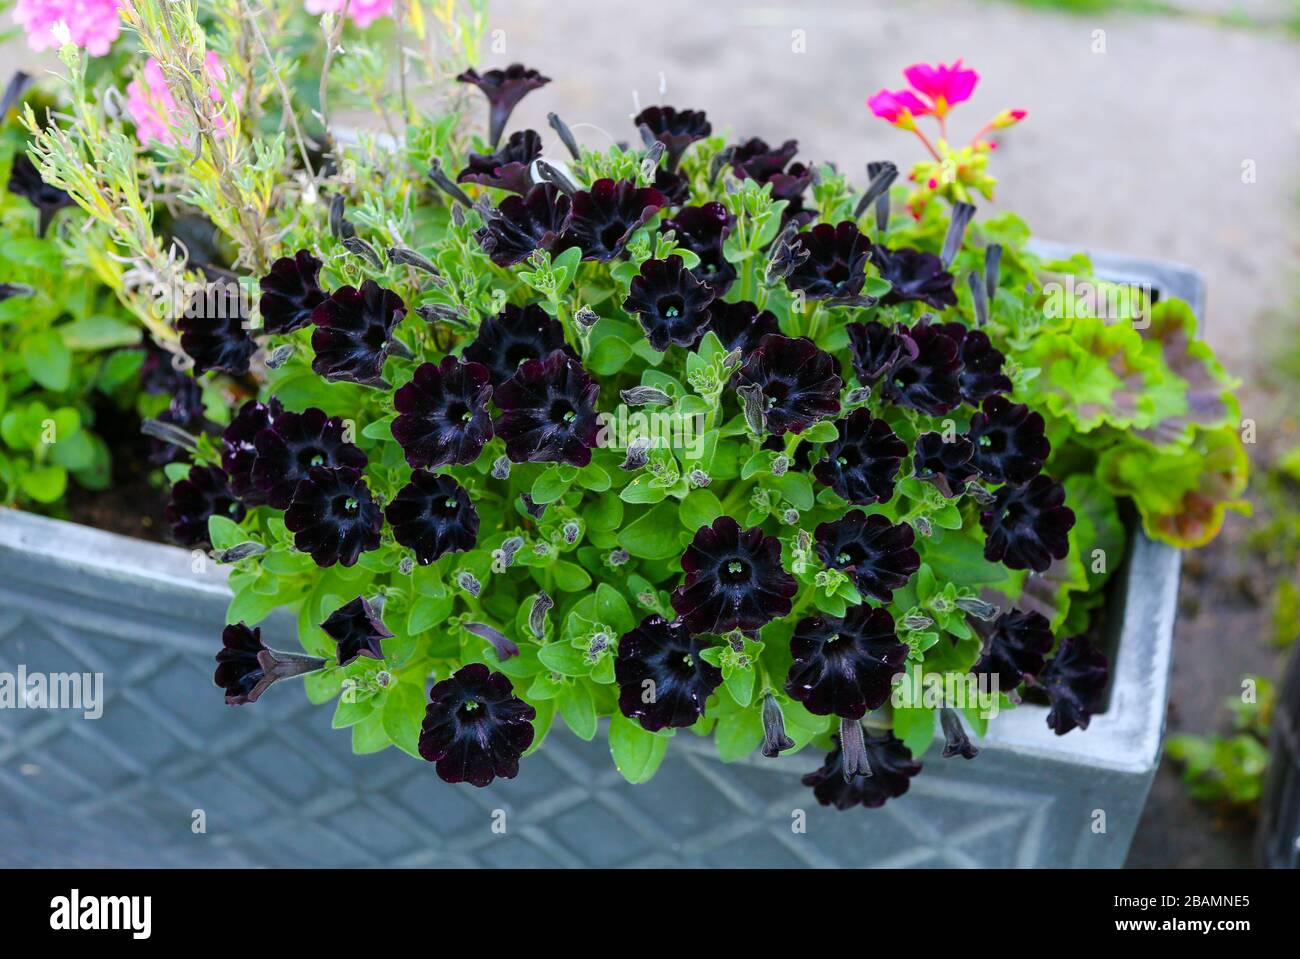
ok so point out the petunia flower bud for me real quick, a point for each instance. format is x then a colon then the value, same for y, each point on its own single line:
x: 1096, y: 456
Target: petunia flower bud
x: 985, y: 612
x: 469, y: 583
x: 961, y: 217
x: 645, y: 396
x: 775, y: 741
x: 752, y: 397
x: 638, y: 453
x: 586, y: 317
x: 855, y: 750
x: 537, y: 615
x: 501, y: 468
x: 404, y: 257
x: 619, y: 557
x: 240, y: 551
x: 699, y: 479
x: 446, y: 185
x: 565, y: 134
x: 956, y: 742
x: 504, y: 647
x: 571, y: 531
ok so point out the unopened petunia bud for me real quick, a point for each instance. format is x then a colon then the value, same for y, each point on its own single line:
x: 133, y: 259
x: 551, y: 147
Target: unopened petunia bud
x: 699, y: 479
x: 645, y: 396
x: 571, y: 531
x: 586, y: 317
x: 565, y: 134
x: 780, y: 465
x: 618, y: 557
x: 445, y: 184
x: 755, y: 418
x: 469, y: 583
x: 986, y: 612
x: 505, y: 648
x: 279, y: 356
x: 240, y: 551
x: 956, y: 742
x: 537, y: 615
x: 855, y: 750
x: 775, y: 741
x: 501, y: 468
x: 638, y: 453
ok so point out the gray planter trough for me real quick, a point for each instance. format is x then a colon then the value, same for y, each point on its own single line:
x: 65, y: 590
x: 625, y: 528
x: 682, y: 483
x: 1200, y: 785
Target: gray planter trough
x: 274, y: 785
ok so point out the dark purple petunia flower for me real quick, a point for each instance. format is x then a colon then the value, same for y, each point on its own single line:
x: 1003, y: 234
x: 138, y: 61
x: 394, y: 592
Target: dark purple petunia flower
x: 876, y: 553
x: 432, y: 515
x: 945, y: 464
x: 892, y: 768
x: 354, y: 330
x: 914, y: 277
x: 507, y: 168
x: 205, y: 492
x: 239, y: 450
x: 334, y: 516
x: 1028, y: 526
x: 734, y: 579
x: 516, y: 334
x: 25, y: 181
x: 443, y: 414
x: 663, y: 681
x: 290, y: 293
x: 246, y: 668
x: 294, y: 443
x: 674, y: 186
x: 1014, y: 646
x: 671, y: 304
x: 861, y: 464
x: 927, y: 376
x: 800, y: 383
x: 603, y: 219
x: 521, y: 224
x: 740, y: 326
x: 878, y: 348
x: 1008, y: 441
x: 475, y: 727
x: 834, y: 268
x: 357, y: 630
x: 702, y: 230
x: 675, y: 129
x: 184, y: 411
x: 1075, y: 681
x: 755, y: 160
x: 844, y: 666
x: 503, y: 89
x: 549, y: 412
x: 981, y: 361
x: 214, y: 331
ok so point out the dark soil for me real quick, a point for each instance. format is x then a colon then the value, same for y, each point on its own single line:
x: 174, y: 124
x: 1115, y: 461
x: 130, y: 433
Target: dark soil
x: 133, y: 504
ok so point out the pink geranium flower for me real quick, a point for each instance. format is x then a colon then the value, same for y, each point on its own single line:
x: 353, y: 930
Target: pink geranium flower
x: 152, y: 105
x: 361, y: 12
x: 943, y: 85
x: 92, y: 24
x: 899, y: 107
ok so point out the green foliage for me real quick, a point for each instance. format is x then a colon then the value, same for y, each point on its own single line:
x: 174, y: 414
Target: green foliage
x: 1230, y: 769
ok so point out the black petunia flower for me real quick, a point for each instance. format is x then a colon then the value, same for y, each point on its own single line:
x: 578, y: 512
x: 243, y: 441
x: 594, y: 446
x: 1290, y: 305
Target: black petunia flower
x: 214, y: 331
x: 294, y: 443
x: 432, y: 515
x: 675, y: 129
x: 516, y: 334
x: 878, y: 348
x: 861, y: 464
x: 1008, y: 442
x: 333, y: 516
x: 239, y: 450
x: 443, y: 414
x: 1028, y: 526
x: 25, y: 181
x: 926, y: 377
x: 353, y: 335
x: 290, y: 293
x: 357, y: 630
x: 892, y: 768
x: 844, y: 666
x: 522, y: 224
x: 834, y: 268
x: 914, y: 276
x: 1075, y: 681
x: 877, y: 554
x: 603, y: 219
x: 507, y: 168
x: 945, y: 464
x: 740, y: 326
x: 800, y: 383
x: 246, y: 668
x: 981, y: 363
x: 671, y: 304
x: 503, y: 89
x: 673, y: 185
x: 475, y: 727
x: 204, y: 493
x: 549, y: 412
x: 734, y: 579
x: 663, y: 681
x: 755, y: 160
x: 1013, y: 649
x: 702, y: 230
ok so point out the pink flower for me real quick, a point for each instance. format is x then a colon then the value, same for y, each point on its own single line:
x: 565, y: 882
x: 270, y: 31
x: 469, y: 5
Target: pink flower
x: 92, y: 24
x: 151, y: 104
x: 899, y: 107
x: 943, y: 85
x: 362, y: 12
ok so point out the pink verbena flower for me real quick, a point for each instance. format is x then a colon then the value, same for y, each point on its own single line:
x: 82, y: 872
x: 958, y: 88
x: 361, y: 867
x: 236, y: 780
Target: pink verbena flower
x: 361, y: 12
x: 942, y: 84
x: 152, y: 105
x: 92, y: 24
x: 899, y: 107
